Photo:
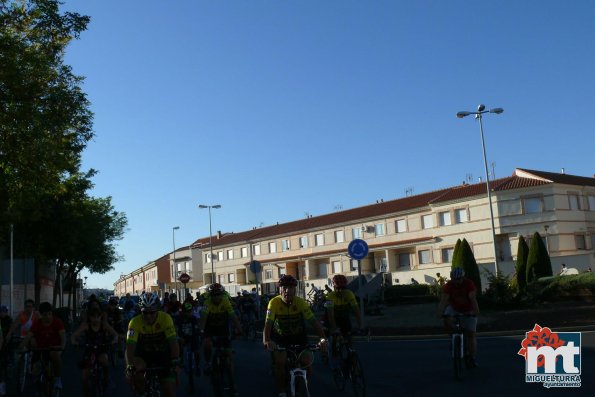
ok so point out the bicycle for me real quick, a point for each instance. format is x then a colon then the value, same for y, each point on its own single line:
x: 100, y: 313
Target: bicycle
x: 43, y: 376
x: 297, y: 376
x: 457, y: 346
x: 350, y: 366
x: 248, y: 327
x: 221, y: 375
x: 190, y: 364
x: 153, y: 382
x: 97, y: 381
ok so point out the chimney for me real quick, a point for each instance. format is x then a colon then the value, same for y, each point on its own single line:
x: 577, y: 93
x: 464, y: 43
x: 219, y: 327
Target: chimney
x: 562, y: 171
x: 218, y: 234
x: 479, y: 178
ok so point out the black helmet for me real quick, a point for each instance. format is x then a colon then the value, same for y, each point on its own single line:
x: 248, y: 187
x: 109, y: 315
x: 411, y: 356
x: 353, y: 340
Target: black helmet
x: 287, y: 280
x: 216, y: 289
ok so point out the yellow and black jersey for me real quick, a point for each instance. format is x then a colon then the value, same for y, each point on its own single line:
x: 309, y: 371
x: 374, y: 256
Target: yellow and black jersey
x: 217, y: 317
x: 342, y: 302
x: 153, y: 338
x: 288, y: 320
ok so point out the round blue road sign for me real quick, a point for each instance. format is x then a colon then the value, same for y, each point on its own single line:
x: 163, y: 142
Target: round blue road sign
x: 255, y: 267
x: 357, y: 249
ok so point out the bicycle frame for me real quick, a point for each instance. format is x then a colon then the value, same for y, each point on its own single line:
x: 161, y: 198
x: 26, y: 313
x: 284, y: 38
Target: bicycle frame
x: 294, y: 368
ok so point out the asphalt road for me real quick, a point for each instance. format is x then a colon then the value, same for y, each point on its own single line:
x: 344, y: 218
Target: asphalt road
x: 404, y: 368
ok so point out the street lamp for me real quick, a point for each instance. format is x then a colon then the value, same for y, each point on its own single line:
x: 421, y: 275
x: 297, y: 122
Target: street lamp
x: 175, y: 266
x: 210, y: 237
x: 478, y: 115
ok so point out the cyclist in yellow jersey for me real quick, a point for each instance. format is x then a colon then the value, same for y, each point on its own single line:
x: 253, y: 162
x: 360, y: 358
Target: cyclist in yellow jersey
x: 214, y: 325
x: 285, y: 325
x: 151, y: 340
x: 340, y: 303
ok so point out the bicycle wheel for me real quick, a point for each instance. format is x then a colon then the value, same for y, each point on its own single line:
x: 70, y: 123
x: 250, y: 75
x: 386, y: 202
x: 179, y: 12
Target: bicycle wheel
x: 356, y: 374
x: 23, y: 375
x: 457, y: 359
x: 301, y: 387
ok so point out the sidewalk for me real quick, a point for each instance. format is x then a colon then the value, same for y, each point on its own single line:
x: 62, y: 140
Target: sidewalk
x: 420, y: 319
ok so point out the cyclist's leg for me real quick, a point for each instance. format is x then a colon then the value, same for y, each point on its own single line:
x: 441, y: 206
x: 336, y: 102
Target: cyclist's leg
x: 103, y: 360
x: 470, y: 325
x: 280, y: 360
x: 138, y: 378
x: 85, y: 381
x: 207, y: 345
x: 56, y: 360
x: 168, y: 385
x: 449, y: 321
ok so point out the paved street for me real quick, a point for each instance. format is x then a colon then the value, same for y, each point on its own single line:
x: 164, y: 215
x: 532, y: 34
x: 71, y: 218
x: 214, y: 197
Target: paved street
x: 407, y: 368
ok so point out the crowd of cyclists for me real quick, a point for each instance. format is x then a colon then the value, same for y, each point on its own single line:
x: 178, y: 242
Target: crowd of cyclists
x: 151, y: 334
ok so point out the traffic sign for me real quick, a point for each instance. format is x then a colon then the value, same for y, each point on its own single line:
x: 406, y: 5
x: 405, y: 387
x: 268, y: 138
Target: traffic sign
x: 255, y: 267
x: 184, y: 278
x: 357, y: 249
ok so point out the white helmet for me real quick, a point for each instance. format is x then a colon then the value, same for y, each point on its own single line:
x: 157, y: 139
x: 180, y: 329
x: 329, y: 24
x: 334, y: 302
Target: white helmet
x: 149, y: 301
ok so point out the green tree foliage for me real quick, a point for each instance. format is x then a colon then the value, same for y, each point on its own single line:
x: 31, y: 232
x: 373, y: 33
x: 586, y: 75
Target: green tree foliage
x: 538, y: 260
x: 456, y: 254
x: 469, y: 264
x: 521, y: 264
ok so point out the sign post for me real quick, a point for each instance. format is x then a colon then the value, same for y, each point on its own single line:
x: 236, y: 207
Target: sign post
x: 256, y: 267
x: 358, y: 250
x: 184, y: 278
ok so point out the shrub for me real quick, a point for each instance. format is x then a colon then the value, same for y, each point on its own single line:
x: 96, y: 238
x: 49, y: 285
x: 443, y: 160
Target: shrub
x: 521, y: 264
x: 538, y: 260
x: 500, y: 293
x: 397, y: 293
x: 572, y: 287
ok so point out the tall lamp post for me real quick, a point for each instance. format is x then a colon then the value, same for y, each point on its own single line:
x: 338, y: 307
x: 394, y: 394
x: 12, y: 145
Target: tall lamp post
x: 175, y: 266
x: 211, y: 237
x: 478, y: 115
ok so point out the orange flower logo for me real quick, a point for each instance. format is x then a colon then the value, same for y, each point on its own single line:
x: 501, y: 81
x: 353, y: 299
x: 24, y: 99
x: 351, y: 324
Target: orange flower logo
x: 539, y: 337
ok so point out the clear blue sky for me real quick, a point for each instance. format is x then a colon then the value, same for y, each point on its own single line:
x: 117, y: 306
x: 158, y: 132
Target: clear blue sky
x: 281, y: 107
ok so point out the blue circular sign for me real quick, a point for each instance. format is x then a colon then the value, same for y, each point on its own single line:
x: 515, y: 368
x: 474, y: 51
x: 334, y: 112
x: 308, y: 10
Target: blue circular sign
x: 255, y: 267
x: 357, y: 249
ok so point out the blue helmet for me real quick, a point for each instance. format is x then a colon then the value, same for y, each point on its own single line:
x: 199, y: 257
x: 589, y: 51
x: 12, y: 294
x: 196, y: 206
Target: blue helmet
x: 457, y: 272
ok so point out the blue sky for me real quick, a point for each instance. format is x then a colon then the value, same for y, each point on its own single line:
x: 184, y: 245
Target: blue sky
x: 274, y: 109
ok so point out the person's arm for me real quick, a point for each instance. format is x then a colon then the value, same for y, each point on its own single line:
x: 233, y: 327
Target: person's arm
x: 330, y: 315
x: 442, y: 305
x: 473, y: 298
x: 266, y: 336
x: 110, y: 330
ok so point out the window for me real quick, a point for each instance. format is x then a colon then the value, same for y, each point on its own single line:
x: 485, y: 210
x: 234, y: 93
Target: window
x: 337, y: 268
x: 323, y: 270
x: 303, y: 242
x: 231, y: 277
x: 272, y: 248
x: 339, y: 236
x: 447, y: 255
x: 579, y: 240
x: 284, y: 245
x: 319, y: 238
x: 229, y: 254
x: 427, y: 221
x: 573, y: 201
x: 424, y: 257
x: 220, y: 255
x: 282, y: 271
x: 591, y: 200
x: 445, y: 219
x: 356, y: 232
x: 461, y: 215
x: 244, y: 252
x: 207, y: 258
x: 256, y: 249
x: 353, y: 264
x: 592, y: 240
x: 383, y: 265
x: 401, y: 226
x: 405, y: 260
x: 532, y: 205
x: 379, y: 229
x: 221, y: 279
x: 268, y: 274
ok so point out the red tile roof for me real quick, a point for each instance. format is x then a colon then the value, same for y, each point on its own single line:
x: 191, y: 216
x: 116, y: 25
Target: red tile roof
x: 561, y: 178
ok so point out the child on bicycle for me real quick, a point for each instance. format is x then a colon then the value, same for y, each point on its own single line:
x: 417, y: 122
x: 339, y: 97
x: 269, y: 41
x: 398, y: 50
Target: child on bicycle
x: 459, y: 299
x: 97, y: 337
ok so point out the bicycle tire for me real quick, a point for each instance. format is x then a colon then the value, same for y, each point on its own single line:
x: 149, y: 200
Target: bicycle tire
x: 356, y: 373
x: 457, y: 360
x: 301, y: 387
x: 22, y: 374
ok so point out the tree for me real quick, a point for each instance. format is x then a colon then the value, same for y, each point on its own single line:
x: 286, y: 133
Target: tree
x: 521, y: 264
x: 538, y: 260
x: 469, y: 264
x: 456, y: 254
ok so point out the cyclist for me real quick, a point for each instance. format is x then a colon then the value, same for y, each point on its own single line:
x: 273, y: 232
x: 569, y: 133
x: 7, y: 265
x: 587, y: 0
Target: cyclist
x: 285, y: 325
x: 97, y: 335
x: 150, y: 340
x: 214, y: 325
x: 459, y: 298
x: 24, y: 319
x: 48, y: 332
x: 247, y: 308
x: 116, y: 321
x: 189, y: 332
x: 340, y: 303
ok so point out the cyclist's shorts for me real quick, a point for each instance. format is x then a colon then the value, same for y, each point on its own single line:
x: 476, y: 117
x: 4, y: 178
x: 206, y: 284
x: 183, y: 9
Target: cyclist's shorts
x: 223, y: 342
x: 165, y: 374
x: 469, y: 323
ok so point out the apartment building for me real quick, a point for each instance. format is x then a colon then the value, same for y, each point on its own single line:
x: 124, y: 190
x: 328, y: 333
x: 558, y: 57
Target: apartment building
x: 414, y: 237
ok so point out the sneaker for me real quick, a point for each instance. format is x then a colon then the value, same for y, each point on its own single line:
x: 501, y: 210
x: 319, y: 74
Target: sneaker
x: 58, y: 383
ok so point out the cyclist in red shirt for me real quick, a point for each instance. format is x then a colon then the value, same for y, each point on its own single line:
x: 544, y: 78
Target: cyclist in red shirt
x: 47, y: 332
x: 459, y: 298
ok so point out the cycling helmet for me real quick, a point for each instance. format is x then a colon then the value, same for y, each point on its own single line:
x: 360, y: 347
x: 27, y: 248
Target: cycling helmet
x: 339, y: 281
x: 149, y: 302
x: 245, y: 293
x: 187, y: 307
x: 457, y: 272
x: 216, y: 289
x: 287, y: 280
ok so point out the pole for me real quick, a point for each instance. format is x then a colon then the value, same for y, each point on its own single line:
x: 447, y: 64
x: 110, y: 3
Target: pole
x: 173, y: 232
x: 485, y: 162
x: 359, y: 288
x: 11, y: 310
x: 211, y: 248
